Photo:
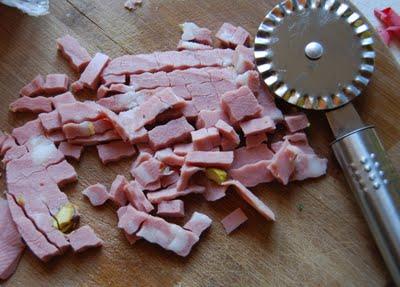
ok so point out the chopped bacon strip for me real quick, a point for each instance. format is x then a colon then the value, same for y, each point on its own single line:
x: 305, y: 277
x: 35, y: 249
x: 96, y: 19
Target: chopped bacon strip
x: 247, y: 155
x: 172, y: 208
x: 186, y: 173
x: 243, y: 59
x: 83, y: 238
x: 296, y: 122
x: 56, y: 84
x: 250, y: 79
x: 171, y: 193
x: 283, y: 163
x: 231, y: 36
x: 228, y: 133
x: 70, y: 150
x: 15, y: 152
x: 50, y: 121
x: 115, y: 151
x: 253, y: 174
x: 221, y: 159
x: 233, y: 220
x: 168, y: 157
x: 258, y: 125
x: 134, y: 194
x: 62, y: 173
x: 117, y: 190
x: 192, y: 32
x: 61, y: 99
x: 7, y: 144
x: 97, y: 194
x: 205, y: 139
x: 78, y: 112
x: 30, y: 129
x: 76, y: 55
x: 33, y: 105
x: 123, y: 102
x: 256, y: 139
x: 148, y: 171
x: 192, y: 46
x: 35, y: 87
x: 108, y: 136
x: 198, y: 223
x: 183, y: 149
x: 208, y: 119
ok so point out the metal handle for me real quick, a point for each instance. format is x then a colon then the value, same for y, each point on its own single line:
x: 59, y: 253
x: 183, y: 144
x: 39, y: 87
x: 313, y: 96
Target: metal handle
x: 376, y: 187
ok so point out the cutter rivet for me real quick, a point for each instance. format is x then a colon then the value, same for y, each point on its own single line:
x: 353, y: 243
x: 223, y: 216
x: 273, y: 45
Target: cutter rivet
x: 314, y: 50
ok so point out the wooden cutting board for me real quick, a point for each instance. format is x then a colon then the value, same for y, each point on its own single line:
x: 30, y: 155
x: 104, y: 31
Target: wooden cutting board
x: 325, y: 244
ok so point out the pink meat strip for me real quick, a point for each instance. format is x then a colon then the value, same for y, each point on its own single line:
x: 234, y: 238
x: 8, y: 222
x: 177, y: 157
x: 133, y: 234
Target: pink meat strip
x: 266, y: 100
x: 283, y: 163
x: 123, y: 102
x: 36, y: 241
x: 50, y: 121
x: 240, y: 104
x: 187, y: 172
x: 115, y: 151
x: 117, y: 190
x: 170, y: 179
x: 108, y: 136
x: 56, y: 136
x: 172, y: 208
x: 300, y: 141
x: 113, y: 79
x: 104, y: 91
x: 35, y: 87
x: 228, y: 134
x: 142, y: 147
x: 198, y: 223
x: 168, y: 235
x: 168, y: 157
x: 169, y: 60
x: 208, y: 119
x: 84, y: 238
x: 70, y: 150
x: 213, y: 191
x: 61, y: 99
x: 233, y: 220
x: 171, y: 193
x: 231, y: 36
x: 134, y: 194
x: 33, y: 105
x: 258, y: 125
x: 192, y: 46
x: 91, y: 75
x: 256, y: 139
x: 170, y: 133
x: 30, y: 129
x: 62, y: 173
x: 130, y: 219
x: 97, y: 194
x: 76, y: 55
x: 183, y: 148
x: 8, y: 143
x: 308, y: 166
x: 56, y: 84
x: 193, y: 33
x: 148, y: 171
x: 222, y: 159
x: 15, y: 152
x: 243, y: 59
x: 251, y: 199
x: 205, y: 139
x: 253, y: 174
x: 246, y: 155
x: 11, y: 245
x: 86, y: 128
x: 78, y: 112
x: 296, y: 122
x: 250, y: 79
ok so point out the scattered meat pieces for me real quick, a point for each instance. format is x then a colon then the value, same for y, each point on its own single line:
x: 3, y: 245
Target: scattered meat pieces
x: 222, y: 159
x: 62, y: 173
x: 115, y: 151
x: 56, y: 84
x: 300, y: 141
x: 296, y: 122
x: 84, y: 238
x: 258, y: 125
x: 308, y: 166
x: 15, y: 152
x: 11, y: 245
x: 208, y: 119
x: 50, y: 121
x: 122, y: 102
x: 186, y: 173
x: 193, y: 33
x: 256, y: 139
x: 83, y: 129
x: 91, y: 75
x: 283, y: 163
x: 168, y: 157
x: 231, y: 36
x: 132, y: 4
x: 76, y: 55
x: 170, y: 179
x: 172, y: 193
x: 61, y: 99
x: 130, y: 219
x: 70, y: 150
x: 228, y: 133
x: 233, y: 220
x: 187, y: 45
x: 56, y: 136
x: 8, y: 143
x: 30, y: 129
x: 247, y: 155
x: 33, y: 105
x: 213, y: 191
x: 170, y: 133
x: 250, y: 79
x: 205, y: 139
x: 168, y: 235
x: 198, y: 223
x: 33, y: 88
x: 243, y: 60
x: 253, y: 174
x: 173, y: 208
x: 251, y: 199
x: 117, y: 190
x: 240, y: 104
x: 78, y: 112
x: 136, y: 197
x: 148, y: 171
x: 97, y: 194
x: 183, y: 149
x: 108, y: 136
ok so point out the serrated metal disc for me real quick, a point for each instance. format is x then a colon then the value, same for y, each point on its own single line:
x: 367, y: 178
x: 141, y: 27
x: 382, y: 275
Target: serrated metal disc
x: 315, y: 54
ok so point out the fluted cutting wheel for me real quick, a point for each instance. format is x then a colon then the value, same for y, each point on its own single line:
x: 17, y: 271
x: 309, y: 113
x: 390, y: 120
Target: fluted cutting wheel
x: 315, y: 54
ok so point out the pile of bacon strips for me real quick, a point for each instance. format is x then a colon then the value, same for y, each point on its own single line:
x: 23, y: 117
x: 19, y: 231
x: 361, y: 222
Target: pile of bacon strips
x: 195, y: 120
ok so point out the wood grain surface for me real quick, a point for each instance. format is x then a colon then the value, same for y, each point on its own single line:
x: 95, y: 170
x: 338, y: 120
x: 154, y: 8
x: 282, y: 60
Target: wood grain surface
x: 325, y: 244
